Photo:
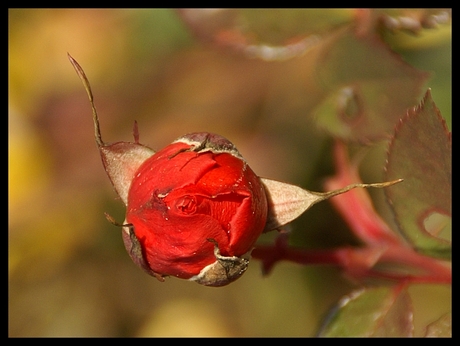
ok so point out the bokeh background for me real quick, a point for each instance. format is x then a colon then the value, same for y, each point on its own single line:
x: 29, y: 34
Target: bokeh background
x: 68, y: 272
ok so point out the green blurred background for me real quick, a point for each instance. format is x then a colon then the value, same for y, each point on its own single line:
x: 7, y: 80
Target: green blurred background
x: 69, y: 274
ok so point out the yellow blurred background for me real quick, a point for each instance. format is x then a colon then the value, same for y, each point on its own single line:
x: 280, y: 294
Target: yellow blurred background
x: 69, y: 274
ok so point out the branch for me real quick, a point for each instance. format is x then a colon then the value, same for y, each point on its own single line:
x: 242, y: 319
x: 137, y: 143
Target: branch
x: 358, y: 263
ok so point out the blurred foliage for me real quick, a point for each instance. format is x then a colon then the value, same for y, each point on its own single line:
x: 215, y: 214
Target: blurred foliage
x: 69, y: 274
x: 372, y: 312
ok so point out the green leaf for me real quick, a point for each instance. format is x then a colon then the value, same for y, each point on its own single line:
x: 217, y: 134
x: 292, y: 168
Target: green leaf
x: 382, y: 311
x: 442, y: 327
x: 369, y: 87
x: 421, y: 153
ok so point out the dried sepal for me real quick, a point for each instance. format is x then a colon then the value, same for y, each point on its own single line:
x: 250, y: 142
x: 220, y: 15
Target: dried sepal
x: 133, y: 246
x: 224, y: 270
x: 286, y: 202
x: 120, y: 159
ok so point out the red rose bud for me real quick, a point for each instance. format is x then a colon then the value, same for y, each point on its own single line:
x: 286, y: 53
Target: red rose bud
x: 196, y: 209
